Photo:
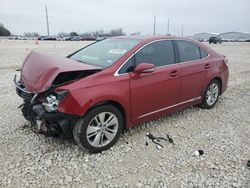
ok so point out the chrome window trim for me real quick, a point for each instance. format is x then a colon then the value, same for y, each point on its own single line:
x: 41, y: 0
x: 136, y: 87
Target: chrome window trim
x: 168, y: 107
x: 117, y: 74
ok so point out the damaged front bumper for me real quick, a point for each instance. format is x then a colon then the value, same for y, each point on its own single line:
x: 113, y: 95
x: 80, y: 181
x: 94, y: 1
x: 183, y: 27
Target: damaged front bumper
x: 58, y: 122
x: 23, y: 92
x: 34, y: 110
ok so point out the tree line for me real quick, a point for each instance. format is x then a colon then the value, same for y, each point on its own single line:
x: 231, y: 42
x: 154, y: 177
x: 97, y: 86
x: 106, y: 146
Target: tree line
x: 4, y: 31
x: 98, y: 33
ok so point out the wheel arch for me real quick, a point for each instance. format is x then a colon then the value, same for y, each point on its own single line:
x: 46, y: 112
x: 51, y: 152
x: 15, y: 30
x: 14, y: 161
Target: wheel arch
x: 220, y: 82
x: 117, y: 105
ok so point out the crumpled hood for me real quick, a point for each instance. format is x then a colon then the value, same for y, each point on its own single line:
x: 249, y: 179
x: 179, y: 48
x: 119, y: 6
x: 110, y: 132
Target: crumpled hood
x: 40, y: 70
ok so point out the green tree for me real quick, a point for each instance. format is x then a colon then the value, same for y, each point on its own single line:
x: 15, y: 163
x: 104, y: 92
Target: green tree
x: 4, y: 31
x: 73, y: 34
x: 117, y: 32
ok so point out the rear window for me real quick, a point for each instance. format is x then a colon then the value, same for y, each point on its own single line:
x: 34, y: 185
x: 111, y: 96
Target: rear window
x: 187, y: 51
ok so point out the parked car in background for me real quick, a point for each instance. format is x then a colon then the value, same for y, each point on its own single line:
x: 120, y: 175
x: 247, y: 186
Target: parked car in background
x: 47, y: 38
x: 87, y: 38
x: 100, y: 38
x: 215, y: 40
x: 112, y: 85
x: 75, y: 38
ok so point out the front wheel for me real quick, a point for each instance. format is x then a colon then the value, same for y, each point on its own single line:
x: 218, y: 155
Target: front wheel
x: 211, y: 94
x: 99, y: 129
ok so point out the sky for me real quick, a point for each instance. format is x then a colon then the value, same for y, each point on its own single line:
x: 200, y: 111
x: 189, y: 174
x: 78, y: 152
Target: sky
x: 196, y: 16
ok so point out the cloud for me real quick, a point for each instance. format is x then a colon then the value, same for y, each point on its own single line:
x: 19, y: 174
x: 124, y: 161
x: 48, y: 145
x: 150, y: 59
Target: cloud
x: 131, y: 15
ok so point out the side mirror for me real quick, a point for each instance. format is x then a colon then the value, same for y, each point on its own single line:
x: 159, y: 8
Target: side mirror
x: 144, y: 68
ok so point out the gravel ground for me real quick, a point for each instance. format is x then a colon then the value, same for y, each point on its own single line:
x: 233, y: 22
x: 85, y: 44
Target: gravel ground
x: 29, y: 160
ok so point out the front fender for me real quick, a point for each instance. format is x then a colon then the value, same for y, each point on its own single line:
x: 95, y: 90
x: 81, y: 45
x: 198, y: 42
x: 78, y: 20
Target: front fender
x: 77, y: 102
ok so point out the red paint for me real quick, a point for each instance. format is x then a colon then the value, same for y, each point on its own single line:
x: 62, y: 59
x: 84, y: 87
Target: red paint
x: 142, y: 96
x: 40, y: 70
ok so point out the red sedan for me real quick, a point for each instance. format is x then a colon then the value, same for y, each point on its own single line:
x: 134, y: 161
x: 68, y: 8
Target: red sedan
x: 115, y: 84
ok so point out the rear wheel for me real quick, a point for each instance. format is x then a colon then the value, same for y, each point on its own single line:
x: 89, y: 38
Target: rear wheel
x: 99, y: 129
x: 211, y: 94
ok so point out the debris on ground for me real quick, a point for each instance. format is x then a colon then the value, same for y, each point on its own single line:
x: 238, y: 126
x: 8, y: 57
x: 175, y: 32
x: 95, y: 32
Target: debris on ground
x: 170, y: 139
x: 248, y: 164
x: 198, y: 153
x: 156, y: 140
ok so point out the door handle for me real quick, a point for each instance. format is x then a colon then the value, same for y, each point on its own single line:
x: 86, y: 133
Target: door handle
x: 207, y: 66
x: 174, y: 73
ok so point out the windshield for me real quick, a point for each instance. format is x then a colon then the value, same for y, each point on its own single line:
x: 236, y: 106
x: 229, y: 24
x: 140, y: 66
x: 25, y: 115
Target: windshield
x: 104, y: 53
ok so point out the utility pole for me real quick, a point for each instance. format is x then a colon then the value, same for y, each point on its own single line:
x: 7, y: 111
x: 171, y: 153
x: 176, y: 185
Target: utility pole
x: 168, y: 26
x: 47, y: 19
x: 182, y: 30
x: 154, y: 23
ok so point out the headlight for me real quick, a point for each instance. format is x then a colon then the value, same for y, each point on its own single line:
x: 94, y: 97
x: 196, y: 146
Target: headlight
x: 53, y: 100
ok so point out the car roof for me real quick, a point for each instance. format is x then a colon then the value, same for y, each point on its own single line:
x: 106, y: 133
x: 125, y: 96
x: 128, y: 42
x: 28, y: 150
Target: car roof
x: 149, y: 38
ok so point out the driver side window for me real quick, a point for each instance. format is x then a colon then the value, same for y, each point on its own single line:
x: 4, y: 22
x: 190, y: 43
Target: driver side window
x: 159, y: 53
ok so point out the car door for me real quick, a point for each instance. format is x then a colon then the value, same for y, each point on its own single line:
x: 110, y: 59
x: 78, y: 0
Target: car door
x: 194, y: 67
x: 158, y: 90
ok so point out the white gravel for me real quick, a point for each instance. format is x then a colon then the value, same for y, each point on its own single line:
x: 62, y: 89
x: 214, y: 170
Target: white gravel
x: 28, y: 160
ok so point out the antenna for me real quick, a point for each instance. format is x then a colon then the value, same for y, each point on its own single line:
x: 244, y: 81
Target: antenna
x: 154, y: 23
x: 47, y: 19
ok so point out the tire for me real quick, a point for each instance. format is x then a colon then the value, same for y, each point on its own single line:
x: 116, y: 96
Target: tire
x: 211, y: 95
x: 99, y: 129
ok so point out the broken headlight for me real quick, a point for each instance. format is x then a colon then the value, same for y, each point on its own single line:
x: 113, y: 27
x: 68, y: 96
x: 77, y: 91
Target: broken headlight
x: 52, y: 100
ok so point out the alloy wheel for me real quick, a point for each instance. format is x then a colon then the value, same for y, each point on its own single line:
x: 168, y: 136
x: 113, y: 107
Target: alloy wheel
x: 212, y: 94
x: 102, y: 129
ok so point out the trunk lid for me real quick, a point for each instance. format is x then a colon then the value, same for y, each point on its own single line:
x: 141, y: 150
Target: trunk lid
x: 40, y: 70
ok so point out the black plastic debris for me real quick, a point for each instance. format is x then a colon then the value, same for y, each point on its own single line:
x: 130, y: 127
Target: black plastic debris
x: 170, y: 139
x: 156, y: 140
x: 125, y: 139
x: 248, y: 164
x: 146, y: 140
x: 201, y: 152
